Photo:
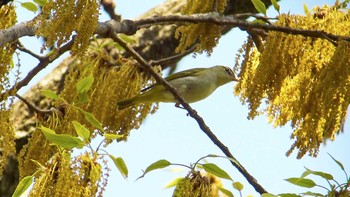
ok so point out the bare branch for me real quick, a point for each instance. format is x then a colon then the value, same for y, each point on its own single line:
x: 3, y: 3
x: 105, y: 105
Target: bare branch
x: 17, y: 31
x: 44, y: 62
x: 23, y: 49
x: 130, y: 27
x: 30, y: 27
x: 233, y: 21
x: 32, y: 107
x: 109, y: 6
x: 191, y: 112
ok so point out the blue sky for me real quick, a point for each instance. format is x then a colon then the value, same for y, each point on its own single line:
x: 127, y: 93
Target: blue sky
x: 170, y: 134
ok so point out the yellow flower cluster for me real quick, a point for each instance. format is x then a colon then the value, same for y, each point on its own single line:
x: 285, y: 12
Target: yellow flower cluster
x: 7, y: 138
x: 304, y: 80
x: 8, y: 18
x: 194, y: 184
x: 114, y: 80
x: 61, y: 19
x: 38, y: 149
x: 207, y: 35
x: 64, y: 176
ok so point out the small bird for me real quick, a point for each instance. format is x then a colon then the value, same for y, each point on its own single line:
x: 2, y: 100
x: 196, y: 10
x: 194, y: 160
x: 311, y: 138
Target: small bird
x: 193, y: 85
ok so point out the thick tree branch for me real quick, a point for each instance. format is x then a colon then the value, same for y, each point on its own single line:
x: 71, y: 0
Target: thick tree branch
x: 129, y: 27
x: 192, y: 113
x: 235, y: 22
x: 17, y: 31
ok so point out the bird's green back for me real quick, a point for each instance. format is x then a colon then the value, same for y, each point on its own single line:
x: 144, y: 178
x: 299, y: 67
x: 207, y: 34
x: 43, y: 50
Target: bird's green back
x: 181, y: 74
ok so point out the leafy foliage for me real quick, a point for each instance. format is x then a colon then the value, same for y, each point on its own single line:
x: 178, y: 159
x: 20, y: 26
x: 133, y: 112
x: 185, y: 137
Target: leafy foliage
x: 336, y: 188
x: 259, y: 6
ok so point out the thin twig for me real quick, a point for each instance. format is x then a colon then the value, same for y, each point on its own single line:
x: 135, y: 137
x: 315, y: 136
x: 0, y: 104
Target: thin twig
x: 44, y: 62
x: 257, y: 16
x: 32, y: 107
x: 23, y: 49
x: 109, y: 6
x: 191, y: 112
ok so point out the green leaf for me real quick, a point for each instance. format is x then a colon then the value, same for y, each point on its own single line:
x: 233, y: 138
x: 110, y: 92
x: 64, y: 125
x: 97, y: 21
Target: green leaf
x: 259, y: 6
x: 213, y: 155
x: 215, y: 170
x: 173, y: 183
x: 127, y: 39
x: 85, y: 84
x: 268, y: 195
x: 308, y: 183
x: 62, y: 140
x: 29, y: 6
x: 225, y: 191
x: 156, y: 165
x: 109, y: 136
x: 23, y: 186
x: 306, y: 9
x: 275, y: 5
x: 321, y: 174
x: 40, y: 2
x: 83, y: 98
x: 92, y: 120
x: 305, y: 174
x: 81, y: 130
x: 49, y: 94
x: 288, y: 195
x: 95, y: 171
x: 119, y: 162
x: 238, y: 186
x: 312, y: 194
x: 338, y: 162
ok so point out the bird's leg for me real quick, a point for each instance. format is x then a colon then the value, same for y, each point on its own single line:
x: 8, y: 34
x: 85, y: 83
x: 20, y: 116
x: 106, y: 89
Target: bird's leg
x: 178, y: 106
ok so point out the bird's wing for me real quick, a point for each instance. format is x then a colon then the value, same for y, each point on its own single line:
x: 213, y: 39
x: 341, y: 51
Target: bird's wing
x: 185, y: 73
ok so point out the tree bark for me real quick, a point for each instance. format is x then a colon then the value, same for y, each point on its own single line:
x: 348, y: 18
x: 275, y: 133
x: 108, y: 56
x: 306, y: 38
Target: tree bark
x: 154, y: 43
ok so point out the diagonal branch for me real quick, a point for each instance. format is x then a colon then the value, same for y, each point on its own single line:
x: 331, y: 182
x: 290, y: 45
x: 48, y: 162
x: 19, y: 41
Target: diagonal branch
x: 192, y: 113
x: 44, y: 62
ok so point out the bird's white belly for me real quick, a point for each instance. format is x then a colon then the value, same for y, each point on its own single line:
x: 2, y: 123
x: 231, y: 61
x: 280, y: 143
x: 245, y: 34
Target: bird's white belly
x: 192, y: 91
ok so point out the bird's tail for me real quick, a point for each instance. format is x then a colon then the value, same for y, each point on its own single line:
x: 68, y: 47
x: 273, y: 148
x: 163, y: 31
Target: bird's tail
x: 126, y: 103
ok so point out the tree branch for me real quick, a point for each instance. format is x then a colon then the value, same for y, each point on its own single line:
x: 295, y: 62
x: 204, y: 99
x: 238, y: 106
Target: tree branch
x: 23, y: 49
x: 32, y: 106
x: 233, y: 21
x: 191, y: 112
x: 109, y: 6
x: 129, y: 27
x: 44, y: 62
